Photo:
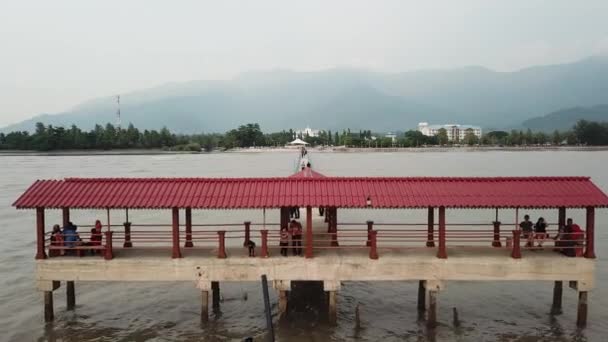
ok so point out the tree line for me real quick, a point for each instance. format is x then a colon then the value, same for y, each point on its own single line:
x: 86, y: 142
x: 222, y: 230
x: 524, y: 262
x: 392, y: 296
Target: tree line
x: 50, y: 138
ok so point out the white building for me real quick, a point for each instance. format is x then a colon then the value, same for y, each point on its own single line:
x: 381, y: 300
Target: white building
x: 307, y: 132
x: 391, y: 135
x: 455, y: 132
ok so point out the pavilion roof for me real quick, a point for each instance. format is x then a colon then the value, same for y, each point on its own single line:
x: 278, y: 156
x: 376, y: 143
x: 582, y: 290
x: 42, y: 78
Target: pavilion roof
x: 301, y: 190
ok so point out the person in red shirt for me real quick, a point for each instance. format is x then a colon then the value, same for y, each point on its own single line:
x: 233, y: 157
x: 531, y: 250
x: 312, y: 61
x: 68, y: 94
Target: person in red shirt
x: 56, y: 240
x: 296, y: 237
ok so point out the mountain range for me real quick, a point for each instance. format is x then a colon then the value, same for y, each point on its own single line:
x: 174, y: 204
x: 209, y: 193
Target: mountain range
x: 356, y: 99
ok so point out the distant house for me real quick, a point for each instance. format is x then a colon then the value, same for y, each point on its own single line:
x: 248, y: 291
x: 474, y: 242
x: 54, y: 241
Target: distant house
x: 307, y: 132
x: 455, y: 132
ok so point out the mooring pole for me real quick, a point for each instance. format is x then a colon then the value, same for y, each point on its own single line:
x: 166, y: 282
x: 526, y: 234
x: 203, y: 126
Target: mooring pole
x: 48, y: 306
x: 556, y: 307
x: 215, y: 294
x: 581, y: 313
x: 70, y: 295
x: 421, y: 296
x: 267, y: 309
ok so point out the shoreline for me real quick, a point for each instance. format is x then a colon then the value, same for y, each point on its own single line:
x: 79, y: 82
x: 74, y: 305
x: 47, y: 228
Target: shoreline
x: 338, y: 149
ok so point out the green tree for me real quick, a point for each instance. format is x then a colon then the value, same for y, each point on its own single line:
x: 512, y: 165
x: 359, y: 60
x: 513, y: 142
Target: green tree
x: 470, y: 138
x: 442, y: 136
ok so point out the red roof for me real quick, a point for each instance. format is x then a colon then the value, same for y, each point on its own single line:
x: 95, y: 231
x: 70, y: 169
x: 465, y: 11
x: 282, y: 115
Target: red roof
x: 342, y: 192
x: 307, y: 173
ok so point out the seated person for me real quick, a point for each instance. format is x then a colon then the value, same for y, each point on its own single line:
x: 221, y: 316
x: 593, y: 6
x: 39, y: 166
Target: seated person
x: 540, y: 231
x: 70, y: 235
x: 56, y: 240
x: 96, y: 237
x: 571, y: 240
x: 526, y: 228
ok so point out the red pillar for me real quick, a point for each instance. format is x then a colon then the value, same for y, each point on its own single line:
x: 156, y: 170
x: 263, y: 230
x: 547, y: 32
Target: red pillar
x: 264, y: 243
x: 334, y: 226
x: 496, y: 241
x: 40, y: 253
x: 370, y: 227
x: 188, y: 242
x: 561, y: 217
x: 309, y: 232
x: 176, y: 250
x: 430, y: 227
x: 516, y: 252
x: 65, y: 214
x: 247, y: 233
x: 590, y: 233
x: 373, y: 251
x: 284, y: 217
x: 108, y: 255
x: 221, y: 252
x: 442, y: 252
x: 127, y: 243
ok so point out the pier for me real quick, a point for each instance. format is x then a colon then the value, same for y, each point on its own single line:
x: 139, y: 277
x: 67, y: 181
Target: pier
x: 335, y: 251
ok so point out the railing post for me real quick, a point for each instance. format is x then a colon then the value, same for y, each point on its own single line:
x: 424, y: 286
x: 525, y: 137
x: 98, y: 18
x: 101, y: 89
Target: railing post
x: 370, y: 227
x: 128, y: 243
x: 188, y: 242
x: 516, y: 253
x: 590, y: 234
x: 373, y: 251
x: 108, y: 255
x: 40, y: 253
x: 221, y: 252
x: 309, y: 237
x: 430, y: 227
x: 496, y: 241
x: 247, y: 233
x: 176, y: 252
x: 442, y: 252
x: 264, y: 253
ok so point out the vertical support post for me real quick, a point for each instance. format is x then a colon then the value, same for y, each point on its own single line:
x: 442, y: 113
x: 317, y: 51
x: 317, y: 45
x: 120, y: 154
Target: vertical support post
x: 333, y: 221
x: 176, y: 252
x: 221, y: 252
x: 70, y: 295
x: 590, y: 234
x: 108, y: 254
x: 432, y: 314
x: 516, y: 252
x: 65, y: 215
x: 556, y: 306
x: 204, y: 306
x: 442, y: 252
x: 49, y: 315
x: 264, y: 253
x: 561, y: 217
x: 430, y: 227
x: 373, y: 251
x: 188, y: 242
x: 247, y: 233
x: 282, y: 304
x: 40, y: 253
x: 496, y: 241
x: 128, y: 243
x: 309, y: 237
x: 370, y: 227
x: 421, y: 295
x: 333, y: 307
x: 215, y: 294
x: 581, y: 312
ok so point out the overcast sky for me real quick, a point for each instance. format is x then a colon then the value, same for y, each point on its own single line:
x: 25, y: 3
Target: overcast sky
x: 56, y: 54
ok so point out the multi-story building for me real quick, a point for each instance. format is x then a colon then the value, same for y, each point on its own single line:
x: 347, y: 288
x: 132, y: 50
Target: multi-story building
x: 455, y: 132
x: 307, y: 132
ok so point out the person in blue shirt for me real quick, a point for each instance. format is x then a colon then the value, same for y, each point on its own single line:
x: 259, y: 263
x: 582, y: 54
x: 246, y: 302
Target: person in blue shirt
x: 70, y: 235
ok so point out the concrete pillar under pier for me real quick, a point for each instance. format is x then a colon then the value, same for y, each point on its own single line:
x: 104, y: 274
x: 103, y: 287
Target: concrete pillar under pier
x: 283, y: 287
x: 70, y: 295
x: 49, y: 315
x: 204, y: 305
x: 421, y: 296
x: 332, y: 288
x: 431, y: 320
x: 581, y: 313
x: 556, y: 307
x: 215, y: 294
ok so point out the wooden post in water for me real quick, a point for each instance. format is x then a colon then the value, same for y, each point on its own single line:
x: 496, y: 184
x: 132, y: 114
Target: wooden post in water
x: 556, y: 306
x: 204, y: 306
x: 421, y: 295
x: 333, y: 307
x: 70, y: 295
x: 432, y: 314
x: 215, y: 294
x: 282, y: 304
x: 581, y: 314
x: 49, y: 315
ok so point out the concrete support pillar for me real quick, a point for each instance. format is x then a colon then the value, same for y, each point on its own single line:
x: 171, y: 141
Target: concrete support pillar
x: 442, y: 252
x: 49, y: 315
x: 188, y: 242
x: 373, y: 249
x: 204, y: 305
x: 332, y: 310
x: 430, y: 227
x: 431, y: 320
x: 264, y: 252
x: 221, y: 251
x: 309, y: 238
x: 70, y: 295
x: 516, y: 252
x: 590, y: 234
x: 215, y: 294
x: 40, y: 253
x: 556, y: 306
x: 421, y: 296
x: 176, y: 252
x: 283, y: 295
x: 581, y: 313
x: 108, y: 253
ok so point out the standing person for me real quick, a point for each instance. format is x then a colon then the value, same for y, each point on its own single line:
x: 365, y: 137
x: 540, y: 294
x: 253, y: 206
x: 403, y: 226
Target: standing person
x: 284, y: 241
x: 56, y: 240
x: 526, y: 228
x: 296, y: 237
x: 540, y: 231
